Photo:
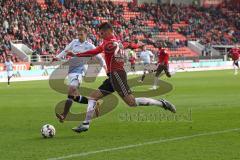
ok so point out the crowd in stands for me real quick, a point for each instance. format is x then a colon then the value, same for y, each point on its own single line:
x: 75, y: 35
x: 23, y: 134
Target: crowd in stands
x: 47, y: 31
x: 219, y: 25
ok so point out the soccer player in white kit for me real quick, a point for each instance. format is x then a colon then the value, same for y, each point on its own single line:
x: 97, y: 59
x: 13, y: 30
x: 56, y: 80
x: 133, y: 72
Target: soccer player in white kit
x: 147, y: 57
x: 77, y: 69
x: 9, y: 68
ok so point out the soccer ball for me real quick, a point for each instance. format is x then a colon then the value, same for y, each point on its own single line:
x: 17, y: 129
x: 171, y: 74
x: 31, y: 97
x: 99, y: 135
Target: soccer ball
x: 48, y: 131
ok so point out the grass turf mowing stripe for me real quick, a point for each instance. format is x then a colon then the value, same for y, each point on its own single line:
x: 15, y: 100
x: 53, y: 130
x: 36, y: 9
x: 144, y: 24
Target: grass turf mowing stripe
x: 144, y: 143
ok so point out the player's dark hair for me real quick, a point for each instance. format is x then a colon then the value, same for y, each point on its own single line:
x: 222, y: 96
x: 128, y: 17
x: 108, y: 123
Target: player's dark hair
x: 105, y: 26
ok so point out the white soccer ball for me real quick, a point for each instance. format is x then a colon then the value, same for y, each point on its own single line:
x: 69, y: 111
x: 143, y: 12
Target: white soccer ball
x: 48, y: 131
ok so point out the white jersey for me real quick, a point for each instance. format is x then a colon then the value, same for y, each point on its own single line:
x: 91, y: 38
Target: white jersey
x: 146, y: 56
x: 9, y: 65
x: 76, y: 65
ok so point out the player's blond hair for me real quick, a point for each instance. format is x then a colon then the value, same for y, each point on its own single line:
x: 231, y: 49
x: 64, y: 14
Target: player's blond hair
x: 82, y: 28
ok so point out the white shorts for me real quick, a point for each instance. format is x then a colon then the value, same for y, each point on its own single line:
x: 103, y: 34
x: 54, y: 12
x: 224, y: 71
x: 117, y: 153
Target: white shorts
x: 149, y: 67
x: 9, y: 73
x: 146, y: 66
x: 74, y: 79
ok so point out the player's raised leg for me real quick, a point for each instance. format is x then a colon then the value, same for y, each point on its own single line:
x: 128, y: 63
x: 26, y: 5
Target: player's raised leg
x: 144, y: 101
x: 119, y: 83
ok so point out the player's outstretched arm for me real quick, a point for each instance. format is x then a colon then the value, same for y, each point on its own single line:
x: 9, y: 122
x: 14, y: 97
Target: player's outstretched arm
x: 90, y: 53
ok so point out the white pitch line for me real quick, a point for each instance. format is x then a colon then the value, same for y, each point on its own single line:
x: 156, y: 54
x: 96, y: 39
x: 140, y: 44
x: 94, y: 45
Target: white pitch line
x: 143, y: 144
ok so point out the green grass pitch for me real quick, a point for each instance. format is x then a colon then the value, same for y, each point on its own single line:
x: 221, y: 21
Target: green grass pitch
x: 213, y: 98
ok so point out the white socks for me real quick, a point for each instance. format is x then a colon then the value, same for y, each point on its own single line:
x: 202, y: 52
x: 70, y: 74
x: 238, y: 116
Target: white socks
x: 142, y: 101
x: 90, y: 110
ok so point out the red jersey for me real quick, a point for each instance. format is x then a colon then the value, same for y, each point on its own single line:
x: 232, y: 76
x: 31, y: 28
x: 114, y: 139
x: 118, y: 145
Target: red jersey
x: 163, y: 57
x: 132, y: 60
x: 113, y: 53
x: 234, y: 54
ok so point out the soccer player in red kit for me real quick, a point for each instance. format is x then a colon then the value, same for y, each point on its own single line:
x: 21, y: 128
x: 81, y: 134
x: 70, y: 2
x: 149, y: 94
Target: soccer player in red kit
x: 234, y: 53
x: 163, y: 65
x: 132, y: 61
x: 117, y: 77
